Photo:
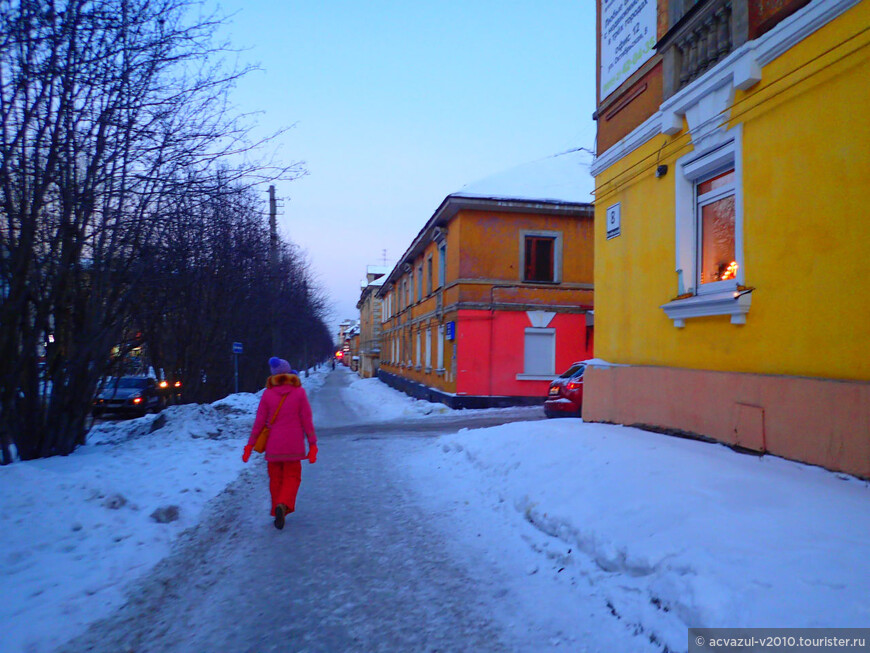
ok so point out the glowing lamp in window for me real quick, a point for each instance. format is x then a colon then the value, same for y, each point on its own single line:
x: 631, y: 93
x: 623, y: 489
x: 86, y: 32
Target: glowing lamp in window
x: 716, y: 225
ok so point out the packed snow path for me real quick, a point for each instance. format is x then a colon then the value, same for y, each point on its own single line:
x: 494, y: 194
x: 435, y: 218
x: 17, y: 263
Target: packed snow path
x: 358, y: 567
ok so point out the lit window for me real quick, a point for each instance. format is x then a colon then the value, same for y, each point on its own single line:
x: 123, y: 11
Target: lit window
x: 716, y: 219
x: 709, y: 232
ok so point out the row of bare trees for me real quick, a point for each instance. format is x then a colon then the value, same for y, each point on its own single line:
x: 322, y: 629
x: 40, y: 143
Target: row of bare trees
x: 127, y: 213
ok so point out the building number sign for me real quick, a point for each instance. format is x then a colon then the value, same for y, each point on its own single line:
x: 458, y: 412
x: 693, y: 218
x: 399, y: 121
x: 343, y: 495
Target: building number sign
x: 613, y: 221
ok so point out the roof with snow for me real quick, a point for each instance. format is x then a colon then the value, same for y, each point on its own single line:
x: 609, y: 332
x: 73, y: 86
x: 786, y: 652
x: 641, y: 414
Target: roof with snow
x: 378, y: 269
x: 558, y: 178
x: 556, y: 185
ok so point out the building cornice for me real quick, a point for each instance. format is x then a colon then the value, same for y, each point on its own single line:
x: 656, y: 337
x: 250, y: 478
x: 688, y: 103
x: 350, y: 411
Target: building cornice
x: 740, y: 70
x: 456, y: 202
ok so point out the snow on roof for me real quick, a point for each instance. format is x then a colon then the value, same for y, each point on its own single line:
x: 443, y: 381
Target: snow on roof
x: 378, y: 269
x: 559, y: 178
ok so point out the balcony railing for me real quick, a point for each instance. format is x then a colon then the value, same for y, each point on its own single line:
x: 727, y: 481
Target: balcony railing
x: 701, y: 34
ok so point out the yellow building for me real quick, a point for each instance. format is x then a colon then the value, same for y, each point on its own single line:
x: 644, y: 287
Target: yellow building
x: 370, y: 313
x: 732, y: 226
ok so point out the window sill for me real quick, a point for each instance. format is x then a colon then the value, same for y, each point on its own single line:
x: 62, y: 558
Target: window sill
x: 535, y: 377
x: 730, y: 302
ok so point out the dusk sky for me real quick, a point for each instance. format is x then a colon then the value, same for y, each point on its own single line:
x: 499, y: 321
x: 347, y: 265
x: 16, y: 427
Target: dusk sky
x: 398, y: 104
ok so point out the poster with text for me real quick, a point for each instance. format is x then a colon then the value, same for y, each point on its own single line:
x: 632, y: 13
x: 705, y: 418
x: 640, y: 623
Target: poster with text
x: 628, y: 36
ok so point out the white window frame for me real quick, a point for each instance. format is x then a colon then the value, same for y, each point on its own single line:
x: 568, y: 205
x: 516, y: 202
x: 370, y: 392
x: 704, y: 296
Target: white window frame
x: 420, y: 282
x: 418, y: 350
x: 539, y: 374
x: 557, y: 253
x: 442, y: 265
x: 721, y: 297
x: 429, y: 349
x: 701, y: 201
x: 440, y: 357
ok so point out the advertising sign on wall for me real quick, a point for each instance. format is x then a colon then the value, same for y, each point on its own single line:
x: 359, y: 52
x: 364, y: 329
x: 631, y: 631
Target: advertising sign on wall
x: 628, y: 35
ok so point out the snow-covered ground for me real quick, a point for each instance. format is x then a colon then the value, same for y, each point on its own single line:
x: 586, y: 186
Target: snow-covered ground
x: 376, y: 401
x: 666, y: 533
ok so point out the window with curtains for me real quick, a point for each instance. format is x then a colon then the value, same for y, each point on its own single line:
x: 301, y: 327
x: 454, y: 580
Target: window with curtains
x: 541, y: 256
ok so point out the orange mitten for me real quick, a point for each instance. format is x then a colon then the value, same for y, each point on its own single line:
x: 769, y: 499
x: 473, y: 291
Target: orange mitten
x: 247, y: 453
x: 312, y: 454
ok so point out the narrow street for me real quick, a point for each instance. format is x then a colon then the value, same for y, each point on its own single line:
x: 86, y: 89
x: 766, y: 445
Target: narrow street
x: 359, y: 566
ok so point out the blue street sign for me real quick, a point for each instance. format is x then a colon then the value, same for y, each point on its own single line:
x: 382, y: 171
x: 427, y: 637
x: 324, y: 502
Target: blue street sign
x: 237, y: 348
x: 451, y: 330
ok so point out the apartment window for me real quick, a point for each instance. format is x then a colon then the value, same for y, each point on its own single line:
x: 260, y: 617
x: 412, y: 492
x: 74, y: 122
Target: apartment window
x: 715, y: 212
x: 442, y: 265
x: 539, y: 354
x: 541, y: 256
x: 428, y: 350
x: 440, y: 359
x: 429, y: 276
x: 420, y: 282
x: 709, y: 233
x: 417, y: 357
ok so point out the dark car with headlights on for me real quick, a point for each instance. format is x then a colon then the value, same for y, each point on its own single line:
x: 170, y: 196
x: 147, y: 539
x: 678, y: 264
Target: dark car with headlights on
x: 169, y: 390
x: 565, y: 396
x: 128, y: 395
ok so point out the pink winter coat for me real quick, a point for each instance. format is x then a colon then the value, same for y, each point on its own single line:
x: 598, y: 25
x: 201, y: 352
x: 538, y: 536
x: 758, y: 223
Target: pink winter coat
x: 293, y: 424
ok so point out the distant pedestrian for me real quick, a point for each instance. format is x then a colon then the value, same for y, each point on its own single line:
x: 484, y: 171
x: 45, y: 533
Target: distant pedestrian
x: 284, y: 407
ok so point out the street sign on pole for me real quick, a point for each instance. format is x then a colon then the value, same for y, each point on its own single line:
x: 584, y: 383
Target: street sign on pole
x: 237, y: 349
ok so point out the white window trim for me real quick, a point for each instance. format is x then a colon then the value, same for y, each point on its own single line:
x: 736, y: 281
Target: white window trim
x: 557, y: 253
x: 720, y: 298
x: 440, y: 359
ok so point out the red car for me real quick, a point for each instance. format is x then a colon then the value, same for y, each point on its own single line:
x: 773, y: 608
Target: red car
x: 565, y: 396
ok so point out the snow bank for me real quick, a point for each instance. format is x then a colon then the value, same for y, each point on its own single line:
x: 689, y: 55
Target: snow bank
x: 675, y: 532
x: 375, y: 401
x: 76, y: 530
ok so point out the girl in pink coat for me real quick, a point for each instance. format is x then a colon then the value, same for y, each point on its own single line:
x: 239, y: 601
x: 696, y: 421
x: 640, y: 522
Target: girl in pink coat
x: 285, y: 448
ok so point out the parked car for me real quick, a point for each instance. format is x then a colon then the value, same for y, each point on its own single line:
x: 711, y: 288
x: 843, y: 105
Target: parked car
x: 128, y: 395
x: 170, y: 390
x: 565, y: 396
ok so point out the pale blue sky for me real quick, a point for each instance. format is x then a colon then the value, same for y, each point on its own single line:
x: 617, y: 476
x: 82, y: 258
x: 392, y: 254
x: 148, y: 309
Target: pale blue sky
x: 399, y: 104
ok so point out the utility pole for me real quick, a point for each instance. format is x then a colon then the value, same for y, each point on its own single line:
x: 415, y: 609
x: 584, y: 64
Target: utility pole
x: 273, y: 260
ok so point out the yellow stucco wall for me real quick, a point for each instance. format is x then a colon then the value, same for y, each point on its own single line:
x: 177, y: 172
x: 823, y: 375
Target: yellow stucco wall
x: 806, y: 177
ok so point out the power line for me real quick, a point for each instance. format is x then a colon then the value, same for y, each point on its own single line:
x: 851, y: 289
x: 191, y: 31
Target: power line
x: 679, y: 145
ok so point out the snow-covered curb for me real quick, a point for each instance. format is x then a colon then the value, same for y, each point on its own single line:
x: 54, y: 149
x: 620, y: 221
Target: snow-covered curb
x: 674, y: 533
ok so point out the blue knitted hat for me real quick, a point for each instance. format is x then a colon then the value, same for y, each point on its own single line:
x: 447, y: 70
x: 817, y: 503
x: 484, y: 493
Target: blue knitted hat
x: 280, y: 366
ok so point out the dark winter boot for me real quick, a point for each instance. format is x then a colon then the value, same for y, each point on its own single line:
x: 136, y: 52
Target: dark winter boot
x: 280, y: 511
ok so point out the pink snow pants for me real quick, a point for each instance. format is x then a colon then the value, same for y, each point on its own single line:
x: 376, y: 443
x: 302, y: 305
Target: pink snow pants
x: 284, y: 479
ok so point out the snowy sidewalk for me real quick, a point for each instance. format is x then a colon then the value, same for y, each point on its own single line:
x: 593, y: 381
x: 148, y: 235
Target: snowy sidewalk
x: 581, y: 522
x: 668, y: 533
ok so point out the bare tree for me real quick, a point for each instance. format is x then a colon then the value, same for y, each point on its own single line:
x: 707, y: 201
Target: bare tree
x: 110, y: 112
